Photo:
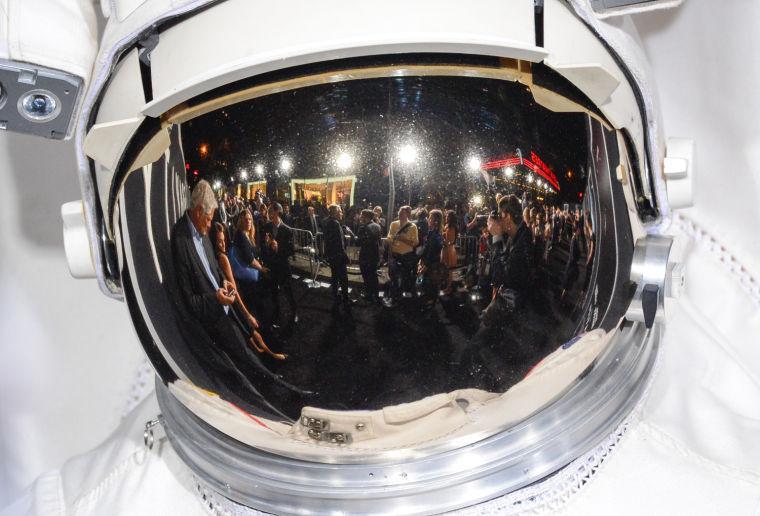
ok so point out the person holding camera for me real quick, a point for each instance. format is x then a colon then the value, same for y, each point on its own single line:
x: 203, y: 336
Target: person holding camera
x: 512, y: 278
x: 512, y: 270
x: 403, y: 238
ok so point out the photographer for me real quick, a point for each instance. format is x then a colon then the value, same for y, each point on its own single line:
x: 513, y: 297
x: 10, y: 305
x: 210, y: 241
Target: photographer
x: 403, y: 239
x: 512, y: 270
x: 512, y: 278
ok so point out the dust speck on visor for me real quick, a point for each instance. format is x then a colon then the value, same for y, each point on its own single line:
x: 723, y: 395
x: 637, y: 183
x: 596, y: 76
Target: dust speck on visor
x: 380, y: 259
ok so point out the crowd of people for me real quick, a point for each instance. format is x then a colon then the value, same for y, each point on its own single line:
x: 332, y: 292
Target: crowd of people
x: 521, y: 249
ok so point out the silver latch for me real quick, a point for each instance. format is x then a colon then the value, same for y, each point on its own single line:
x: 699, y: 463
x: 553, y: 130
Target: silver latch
x: 318, y: 430
x: 148, y: 437
x: 649, y: 271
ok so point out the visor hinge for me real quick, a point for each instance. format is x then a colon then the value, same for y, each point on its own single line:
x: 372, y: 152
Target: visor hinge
x: 318, y: 430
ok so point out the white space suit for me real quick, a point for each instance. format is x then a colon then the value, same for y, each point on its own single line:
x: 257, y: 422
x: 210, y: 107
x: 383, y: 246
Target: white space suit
x: 688, y: 447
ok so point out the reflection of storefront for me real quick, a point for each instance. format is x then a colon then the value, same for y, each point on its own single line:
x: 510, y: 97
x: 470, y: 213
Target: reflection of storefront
x: 250, y: 189
x: 327, y: 190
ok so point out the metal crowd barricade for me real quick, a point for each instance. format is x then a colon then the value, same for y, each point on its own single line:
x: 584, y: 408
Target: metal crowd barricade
x: 352, y: 251
x: 311, y: 247
x: 306, y: 248
x: 467, y: 249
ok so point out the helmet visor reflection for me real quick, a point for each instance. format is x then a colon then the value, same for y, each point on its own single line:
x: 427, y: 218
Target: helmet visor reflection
x: 363, y: 244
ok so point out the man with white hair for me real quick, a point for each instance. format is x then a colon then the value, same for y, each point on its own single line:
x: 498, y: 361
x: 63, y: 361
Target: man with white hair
x: 205, y: 297
x: 197, y: 222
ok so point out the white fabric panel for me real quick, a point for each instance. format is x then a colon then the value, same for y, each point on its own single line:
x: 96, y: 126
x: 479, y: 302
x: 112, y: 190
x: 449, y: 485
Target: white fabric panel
x: 652, y: 473
x: 52, y: 33
x: 68, y: 355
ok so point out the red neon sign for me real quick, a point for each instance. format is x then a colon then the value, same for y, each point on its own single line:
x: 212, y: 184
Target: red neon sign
x: 535, y: 163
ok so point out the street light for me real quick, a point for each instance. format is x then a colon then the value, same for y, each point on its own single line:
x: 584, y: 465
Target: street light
x: 344, y: 161
x: 474, y: 163
x: 408, y: 154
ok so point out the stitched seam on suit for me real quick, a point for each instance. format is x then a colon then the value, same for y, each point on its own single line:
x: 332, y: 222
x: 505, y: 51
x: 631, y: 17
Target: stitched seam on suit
x: 720, y: 252
x: 108, y: 481
x: 673, y: 444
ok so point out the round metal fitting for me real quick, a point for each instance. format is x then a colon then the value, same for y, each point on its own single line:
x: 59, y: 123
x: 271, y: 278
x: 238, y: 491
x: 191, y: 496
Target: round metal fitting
x: 39, y: 106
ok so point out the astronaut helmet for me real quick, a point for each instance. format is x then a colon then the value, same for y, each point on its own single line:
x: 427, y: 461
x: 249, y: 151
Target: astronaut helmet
x: 399, y: 255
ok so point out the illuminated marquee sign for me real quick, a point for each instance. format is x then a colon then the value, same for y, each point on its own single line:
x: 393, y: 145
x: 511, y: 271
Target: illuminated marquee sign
x: 535, y: 163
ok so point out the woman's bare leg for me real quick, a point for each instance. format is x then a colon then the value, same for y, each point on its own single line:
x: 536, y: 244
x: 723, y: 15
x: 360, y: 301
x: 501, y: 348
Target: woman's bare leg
x: 263, y: 348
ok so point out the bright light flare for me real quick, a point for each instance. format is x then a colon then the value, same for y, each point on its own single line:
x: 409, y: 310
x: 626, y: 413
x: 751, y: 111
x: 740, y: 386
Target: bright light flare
x: 477, y: 200
x: 344, y: 161
x: 217, y: 185
x: 474, y: 163
x: 408, y: 154
x: 286, y: 164
x: 243, y: 174
x: 259, y: 168
x: 509, y: 171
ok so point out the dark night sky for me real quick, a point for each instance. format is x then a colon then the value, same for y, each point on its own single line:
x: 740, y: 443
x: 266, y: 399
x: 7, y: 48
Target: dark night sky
x: 447, y: 119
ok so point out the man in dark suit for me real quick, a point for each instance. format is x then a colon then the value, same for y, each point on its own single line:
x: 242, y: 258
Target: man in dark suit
x: 287, y: 217
x: 312, y: 224
x: 368, y: 237
x: 221, y: 216
x: 277, y: 250
x: 335, y: 254
x: 210, y: 299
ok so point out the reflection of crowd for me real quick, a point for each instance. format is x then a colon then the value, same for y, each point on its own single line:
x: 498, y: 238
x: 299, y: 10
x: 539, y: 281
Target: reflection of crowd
x: 211, y: 294
x: 403, y: 241
x: 509, y: 251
